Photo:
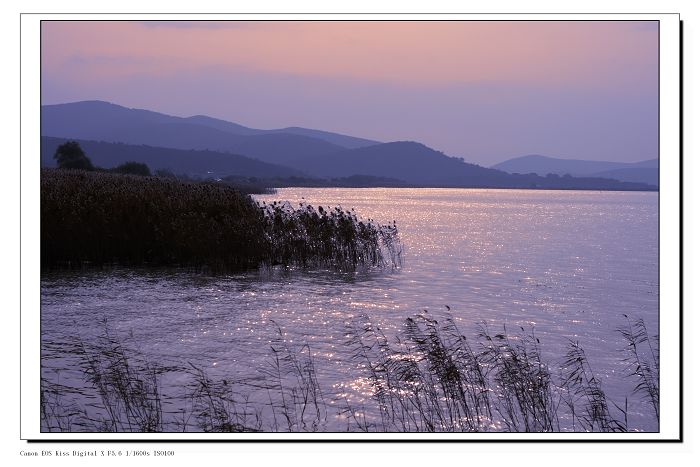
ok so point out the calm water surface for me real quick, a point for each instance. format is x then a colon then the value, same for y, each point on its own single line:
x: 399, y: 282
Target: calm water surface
x: 567, y: 263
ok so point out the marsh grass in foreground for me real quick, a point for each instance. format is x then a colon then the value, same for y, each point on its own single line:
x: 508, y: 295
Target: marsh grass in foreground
x: 99, y: 219
x: 429, y: 378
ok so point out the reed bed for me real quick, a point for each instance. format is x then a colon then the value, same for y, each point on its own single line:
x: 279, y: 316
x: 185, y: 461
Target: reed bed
x: 102, y: 219
x: 428, y: 378
x: 328, y: 238
x: 433, y: 380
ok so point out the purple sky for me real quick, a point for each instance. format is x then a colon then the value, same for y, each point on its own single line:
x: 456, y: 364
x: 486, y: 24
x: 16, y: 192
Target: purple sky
x: 483, y: 90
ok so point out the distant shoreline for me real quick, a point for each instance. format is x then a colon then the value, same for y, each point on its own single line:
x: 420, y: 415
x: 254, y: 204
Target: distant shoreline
x: 204, y: 148
x: 453, y: 187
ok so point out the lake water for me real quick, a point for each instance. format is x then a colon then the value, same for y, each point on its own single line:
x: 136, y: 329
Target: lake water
x: 566, y: 264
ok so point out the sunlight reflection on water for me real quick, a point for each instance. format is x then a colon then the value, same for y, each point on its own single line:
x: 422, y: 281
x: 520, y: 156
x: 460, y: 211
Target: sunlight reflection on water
x: 568, y: 263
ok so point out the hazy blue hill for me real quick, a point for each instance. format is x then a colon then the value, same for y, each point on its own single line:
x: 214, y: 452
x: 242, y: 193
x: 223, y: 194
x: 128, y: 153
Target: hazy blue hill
x: 282, y: 148
x: 651, y: 163
x: 190, y: 162
x: 645, y: 171
x: 444, y: 171
x: 102, y: 121
x: 91, y: 119
x: 406, y: 160
x: 418, y: 165
x: 632, y: 174
x: 175, y: 135
x: 277, y: 148
x: 312, y: 153
x: 345, y: 141
x: 223, y: 125
x: 350, y: 142
x: 542, y: 165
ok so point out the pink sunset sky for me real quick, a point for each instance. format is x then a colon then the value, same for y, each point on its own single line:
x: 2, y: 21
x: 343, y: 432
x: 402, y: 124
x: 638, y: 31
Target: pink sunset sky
x: 483, y: 90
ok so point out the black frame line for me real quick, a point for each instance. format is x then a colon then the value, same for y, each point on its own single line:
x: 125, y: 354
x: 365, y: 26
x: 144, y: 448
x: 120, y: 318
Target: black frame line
x: 354, y: 13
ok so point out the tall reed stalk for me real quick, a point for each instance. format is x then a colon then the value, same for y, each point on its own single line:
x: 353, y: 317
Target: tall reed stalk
x: 428, y: 378
x: 129, y: 389
x: 643, y: 360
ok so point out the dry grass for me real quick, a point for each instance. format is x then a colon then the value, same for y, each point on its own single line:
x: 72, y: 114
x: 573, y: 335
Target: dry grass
x: 429, y: 378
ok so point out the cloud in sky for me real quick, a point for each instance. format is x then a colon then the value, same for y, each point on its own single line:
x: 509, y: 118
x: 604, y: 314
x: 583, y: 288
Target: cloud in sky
x: 489, y: 90
x: 188, y: 24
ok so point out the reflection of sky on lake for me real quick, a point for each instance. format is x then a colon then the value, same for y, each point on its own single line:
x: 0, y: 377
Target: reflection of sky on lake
x: 568, y: 264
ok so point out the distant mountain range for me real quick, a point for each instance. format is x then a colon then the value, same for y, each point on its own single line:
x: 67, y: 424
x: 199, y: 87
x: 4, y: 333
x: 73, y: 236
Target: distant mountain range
x: 344, y: 141
x: 102, y: 121
x: 642, y: 172
x: 406, y: 160
x: 111, y: 134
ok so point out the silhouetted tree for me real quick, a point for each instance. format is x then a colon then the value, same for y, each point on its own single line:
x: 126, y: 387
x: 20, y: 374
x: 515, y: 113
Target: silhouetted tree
x: 70, y: 155
x: 133, y: 168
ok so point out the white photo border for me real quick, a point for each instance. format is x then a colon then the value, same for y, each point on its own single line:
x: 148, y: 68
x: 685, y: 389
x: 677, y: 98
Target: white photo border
x: 670, y: 299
